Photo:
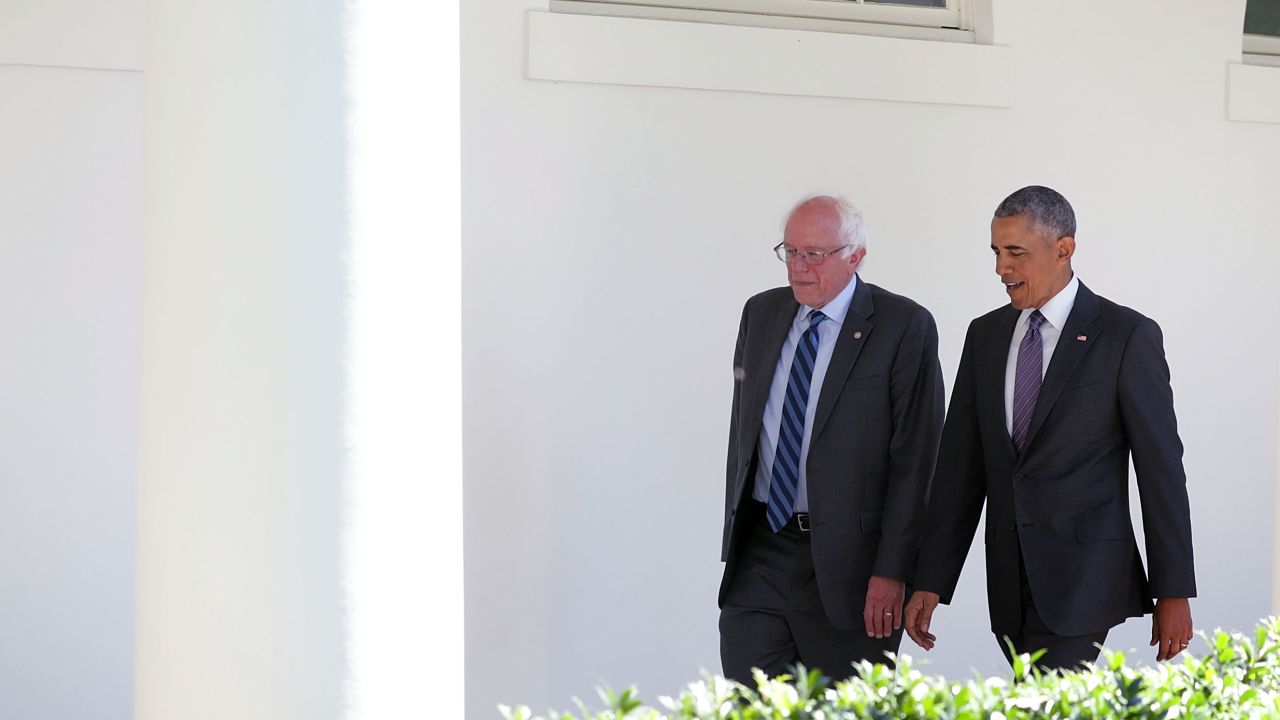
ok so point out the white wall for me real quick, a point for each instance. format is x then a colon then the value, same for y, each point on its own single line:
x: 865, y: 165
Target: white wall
x: 70, y: 215
x: 612, y: 233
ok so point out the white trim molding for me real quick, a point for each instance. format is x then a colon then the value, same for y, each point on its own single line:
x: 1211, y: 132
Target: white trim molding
x: 944, y: 28
x: 1253, y: 93
x: 654, y: 53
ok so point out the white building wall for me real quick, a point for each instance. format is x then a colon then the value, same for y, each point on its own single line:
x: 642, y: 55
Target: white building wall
x: 611, y: 234
x: 70, y: 221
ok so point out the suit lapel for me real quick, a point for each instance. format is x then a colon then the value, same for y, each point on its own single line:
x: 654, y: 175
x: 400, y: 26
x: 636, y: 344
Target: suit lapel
x: 853, y: 334
x: 1070, y: 350
x: 764, y: 361
x: 994, y: 365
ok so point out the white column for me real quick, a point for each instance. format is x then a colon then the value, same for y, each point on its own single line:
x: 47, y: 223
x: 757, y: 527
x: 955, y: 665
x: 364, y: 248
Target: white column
x: 404, y: 546
x: 300, y: 499
x: 239, y: 594
x: 1275, y: 548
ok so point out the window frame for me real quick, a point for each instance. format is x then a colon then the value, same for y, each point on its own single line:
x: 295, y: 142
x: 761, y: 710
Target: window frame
x: 954, y: 22
x: 1262, y: 50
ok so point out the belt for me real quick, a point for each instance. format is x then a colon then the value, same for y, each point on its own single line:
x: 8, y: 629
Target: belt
x: 801, y: 519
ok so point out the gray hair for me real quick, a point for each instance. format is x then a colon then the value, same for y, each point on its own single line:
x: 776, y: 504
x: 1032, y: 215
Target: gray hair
x: 1047, y: 209
x: 853, y: 229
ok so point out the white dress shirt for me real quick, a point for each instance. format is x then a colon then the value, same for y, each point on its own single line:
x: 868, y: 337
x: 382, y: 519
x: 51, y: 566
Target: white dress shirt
x: 828, y: 331
x: 1055, y: 314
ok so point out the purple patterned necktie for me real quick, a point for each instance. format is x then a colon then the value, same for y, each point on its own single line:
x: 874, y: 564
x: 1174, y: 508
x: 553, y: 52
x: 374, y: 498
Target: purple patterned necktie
x: 1027, y: 378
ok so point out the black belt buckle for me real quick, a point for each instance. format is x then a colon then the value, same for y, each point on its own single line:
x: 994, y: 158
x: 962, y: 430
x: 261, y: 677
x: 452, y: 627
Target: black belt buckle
x: 802, y: 519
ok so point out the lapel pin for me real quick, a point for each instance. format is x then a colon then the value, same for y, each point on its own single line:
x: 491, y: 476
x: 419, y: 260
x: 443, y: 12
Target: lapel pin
x: 1081, y: 338
x: 857, y: 335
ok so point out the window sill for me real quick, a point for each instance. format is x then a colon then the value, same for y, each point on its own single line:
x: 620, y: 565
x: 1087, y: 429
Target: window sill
x: 705, y: 56
x: 1261, y: 59
x: 1253, y: 93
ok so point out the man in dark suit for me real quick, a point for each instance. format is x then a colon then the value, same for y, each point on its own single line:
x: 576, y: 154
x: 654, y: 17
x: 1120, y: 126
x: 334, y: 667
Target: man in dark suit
x: 837, y: 409
x: 1055, y: 391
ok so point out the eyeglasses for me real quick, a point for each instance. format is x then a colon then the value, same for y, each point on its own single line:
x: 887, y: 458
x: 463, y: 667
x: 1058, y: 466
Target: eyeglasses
x: 810, y: 257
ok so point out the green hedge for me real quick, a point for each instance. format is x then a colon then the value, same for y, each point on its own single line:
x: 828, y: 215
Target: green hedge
x: 1238, y: 677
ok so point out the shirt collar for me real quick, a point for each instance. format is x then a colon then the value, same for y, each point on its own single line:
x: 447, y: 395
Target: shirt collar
x: 839, y: 305
x: 1055, y: 311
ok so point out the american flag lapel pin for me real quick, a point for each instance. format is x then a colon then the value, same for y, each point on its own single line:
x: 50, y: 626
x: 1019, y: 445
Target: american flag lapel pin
x: 1081, y: 338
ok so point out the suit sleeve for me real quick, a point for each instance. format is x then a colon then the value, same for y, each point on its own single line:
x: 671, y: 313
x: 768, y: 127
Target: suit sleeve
x: 731, y: 469
x: 1146, y: 406
x: 958, y: 489
x: 916, y: 404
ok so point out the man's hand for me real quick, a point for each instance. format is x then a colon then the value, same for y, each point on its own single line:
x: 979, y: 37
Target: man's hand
x: 1171, y: 627
x: 883, y: 611
x: 919, y: 615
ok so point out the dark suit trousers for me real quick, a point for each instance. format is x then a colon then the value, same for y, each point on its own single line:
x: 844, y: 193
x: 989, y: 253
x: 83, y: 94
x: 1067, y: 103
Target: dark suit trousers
x: 1064, y: 652
x: 772, y: 616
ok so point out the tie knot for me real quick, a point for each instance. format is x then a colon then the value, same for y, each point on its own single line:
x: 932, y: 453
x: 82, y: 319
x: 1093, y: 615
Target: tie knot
x: 1036, y: 319
x: 815, y: 318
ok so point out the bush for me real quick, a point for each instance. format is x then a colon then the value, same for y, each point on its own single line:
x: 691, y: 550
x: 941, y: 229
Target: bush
x: 1239, y: 677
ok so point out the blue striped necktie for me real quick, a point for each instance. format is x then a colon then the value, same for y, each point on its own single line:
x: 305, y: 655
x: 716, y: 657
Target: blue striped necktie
x: 1027, y: 377
x: 786, y: 457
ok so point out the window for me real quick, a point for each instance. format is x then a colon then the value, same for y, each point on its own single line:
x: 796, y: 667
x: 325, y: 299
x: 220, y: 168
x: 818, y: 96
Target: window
x: 923, y: 19
x: 1262, y: 32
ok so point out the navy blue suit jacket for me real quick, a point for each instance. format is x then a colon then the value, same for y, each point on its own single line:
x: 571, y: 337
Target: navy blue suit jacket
x: 1064, y: 500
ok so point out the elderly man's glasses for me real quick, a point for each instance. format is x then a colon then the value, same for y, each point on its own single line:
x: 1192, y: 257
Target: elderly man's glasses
x: 810, y: 257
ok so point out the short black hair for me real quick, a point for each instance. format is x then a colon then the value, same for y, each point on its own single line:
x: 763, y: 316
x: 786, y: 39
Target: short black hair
x: 1047, y: 208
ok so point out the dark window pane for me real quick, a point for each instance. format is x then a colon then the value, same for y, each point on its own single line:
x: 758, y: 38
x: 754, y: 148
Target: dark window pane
x: 1262, y: 17
x: 918, y: 3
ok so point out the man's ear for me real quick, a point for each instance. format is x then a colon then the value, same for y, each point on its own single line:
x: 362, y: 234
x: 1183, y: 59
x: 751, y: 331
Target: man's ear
x: 855, y: 257
x: 1066, y: 248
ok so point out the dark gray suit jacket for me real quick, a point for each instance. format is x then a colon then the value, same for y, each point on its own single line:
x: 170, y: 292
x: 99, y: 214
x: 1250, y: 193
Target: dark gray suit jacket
x: 874, y: 439
x: 1065, y: 499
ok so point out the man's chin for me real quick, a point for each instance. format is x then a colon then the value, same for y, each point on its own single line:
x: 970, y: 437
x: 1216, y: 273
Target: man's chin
x: 1018, y: 299
x: 804, y: 295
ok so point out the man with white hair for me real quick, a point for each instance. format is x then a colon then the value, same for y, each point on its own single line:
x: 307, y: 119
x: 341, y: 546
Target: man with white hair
x: 837, y: 411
